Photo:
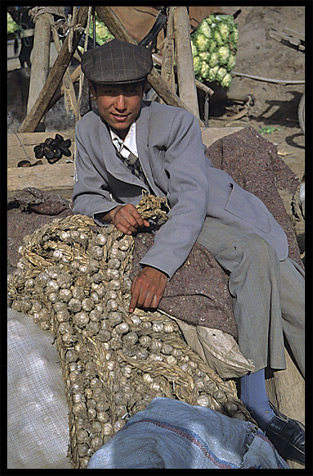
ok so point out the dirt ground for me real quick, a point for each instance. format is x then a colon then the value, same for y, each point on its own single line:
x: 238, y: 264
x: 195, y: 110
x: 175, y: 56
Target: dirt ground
x: 275, y: 105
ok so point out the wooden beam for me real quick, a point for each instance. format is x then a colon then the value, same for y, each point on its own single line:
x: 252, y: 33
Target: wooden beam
x: 54, y: 78
x: 40, y: 58
x: 156, y: 81
x: 46, y: 177
x: 185, y: 72
x: 68, y: 87
x: 74, y: 77
x: 167, y: 68
x: 53, y: 177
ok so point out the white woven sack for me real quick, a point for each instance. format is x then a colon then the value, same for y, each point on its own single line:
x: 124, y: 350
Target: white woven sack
x: 37, y: 420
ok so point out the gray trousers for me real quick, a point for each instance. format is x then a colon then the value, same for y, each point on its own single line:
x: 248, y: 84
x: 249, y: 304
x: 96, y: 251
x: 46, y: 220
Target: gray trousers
x: 268, y: 295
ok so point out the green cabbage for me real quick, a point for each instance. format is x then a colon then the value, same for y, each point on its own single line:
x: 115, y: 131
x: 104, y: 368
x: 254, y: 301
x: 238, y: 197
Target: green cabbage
x: 103, y: 34
x: 214, y: 59
x: 233, y: 38
x: 204, y: 29
x: 197, y: 65
x: 231, y: 62
x: 205, y: 70
x: 211, y: 19
x: 205, y: 56
x: 212, y: 74
x: 223, y: 54
x: 201, y: 42
x: 212, y: 46
x: 224, y: 30
x: 193, y: 49
x: 221, y: 73
x: 225, y: 83
x: 217, y: 37
x: 11, y: 25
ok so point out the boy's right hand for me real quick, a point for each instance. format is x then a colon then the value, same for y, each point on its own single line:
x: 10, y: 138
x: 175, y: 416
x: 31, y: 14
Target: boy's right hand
x: 126, y: 218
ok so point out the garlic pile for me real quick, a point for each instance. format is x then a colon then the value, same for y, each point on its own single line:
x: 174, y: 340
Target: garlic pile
x: 73, y: 279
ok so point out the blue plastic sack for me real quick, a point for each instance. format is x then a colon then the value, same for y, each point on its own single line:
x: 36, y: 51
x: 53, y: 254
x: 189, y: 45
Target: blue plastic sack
x: 171, y: 434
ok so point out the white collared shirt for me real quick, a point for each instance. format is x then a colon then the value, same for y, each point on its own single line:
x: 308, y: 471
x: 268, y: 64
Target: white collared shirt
x: 128, y: 145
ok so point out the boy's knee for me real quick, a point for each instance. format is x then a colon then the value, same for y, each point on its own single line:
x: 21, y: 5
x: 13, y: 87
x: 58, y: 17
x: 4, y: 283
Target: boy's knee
x: 257, y: 246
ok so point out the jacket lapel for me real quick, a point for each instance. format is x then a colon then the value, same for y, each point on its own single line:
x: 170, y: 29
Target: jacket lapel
x: 113, y: 164
x: 142, y: 138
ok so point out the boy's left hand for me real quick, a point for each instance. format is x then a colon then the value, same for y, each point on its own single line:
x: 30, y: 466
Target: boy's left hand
x: 147, y: 288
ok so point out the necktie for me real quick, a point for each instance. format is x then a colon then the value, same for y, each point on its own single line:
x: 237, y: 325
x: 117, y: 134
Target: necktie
x: 133, y: 164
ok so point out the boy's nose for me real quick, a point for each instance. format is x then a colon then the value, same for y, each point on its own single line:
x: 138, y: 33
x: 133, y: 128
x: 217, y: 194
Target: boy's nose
x: 120, y: 102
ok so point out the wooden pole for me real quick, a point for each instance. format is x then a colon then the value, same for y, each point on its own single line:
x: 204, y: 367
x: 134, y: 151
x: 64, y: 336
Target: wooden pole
x: 159, y: 60
x: 167, y: 68
x: 40, y: 59
x: 74, y: 77
x: 68, y: 87
x: 157, y: 82
x: 185, y: 72
x: 54, y: 78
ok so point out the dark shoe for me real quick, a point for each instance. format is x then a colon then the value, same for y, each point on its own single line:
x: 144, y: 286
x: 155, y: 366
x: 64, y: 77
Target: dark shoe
x: 288, y: 437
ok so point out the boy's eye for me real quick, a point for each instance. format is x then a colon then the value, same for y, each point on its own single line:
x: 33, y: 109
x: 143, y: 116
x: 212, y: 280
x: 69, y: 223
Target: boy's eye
x: 132, y: 90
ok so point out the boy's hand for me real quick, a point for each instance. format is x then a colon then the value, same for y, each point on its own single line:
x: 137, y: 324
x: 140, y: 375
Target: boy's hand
x: 147, y: 288
x: 126, y: 218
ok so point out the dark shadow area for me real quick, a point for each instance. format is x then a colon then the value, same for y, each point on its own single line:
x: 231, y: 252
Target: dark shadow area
x: 291, y: 140
x: 217, y: 102
x: 284, y: 113
x: 301, y: 241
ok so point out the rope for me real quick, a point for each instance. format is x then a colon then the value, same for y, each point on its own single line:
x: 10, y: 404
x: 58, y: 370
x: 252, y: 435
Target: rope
x: 21, y: 144
x: 64, y: 26
x: 35, y: 12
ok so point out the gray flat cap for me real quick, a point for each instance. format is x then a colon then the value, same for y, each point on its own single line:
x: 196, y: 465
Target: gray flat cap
x: 117, y: 62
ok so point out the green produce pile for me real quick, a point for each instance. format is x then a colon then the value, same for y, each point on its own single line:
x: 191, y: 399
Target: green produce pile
x: 11, y: 25
x: 214, y: 48
x: 103, y: 34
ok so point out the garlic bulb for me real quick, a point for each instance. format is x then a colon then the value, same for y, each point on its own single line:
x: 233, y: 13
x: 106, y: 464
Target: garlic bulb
x: 74, y: 305
x: 81, y: 319
x: 107, y: 429
x: 203, y: 400
x: 101, y: 239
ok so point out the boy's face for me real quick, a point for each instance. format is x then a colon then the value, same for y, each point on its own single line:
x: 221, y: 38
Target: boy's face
x: 119, y: 105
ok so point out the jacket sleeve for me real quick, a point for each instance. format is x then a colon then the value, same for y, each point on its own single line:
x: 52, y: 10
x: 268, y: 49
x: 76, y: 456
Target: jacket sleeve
x: 91, y: 195
x: 186, y: 167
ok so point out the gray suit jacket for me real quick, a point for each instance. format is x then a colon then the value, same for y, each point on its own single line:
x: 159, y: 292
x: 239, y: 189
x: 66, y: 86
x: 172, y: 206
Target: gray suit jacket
x: 172, y: 156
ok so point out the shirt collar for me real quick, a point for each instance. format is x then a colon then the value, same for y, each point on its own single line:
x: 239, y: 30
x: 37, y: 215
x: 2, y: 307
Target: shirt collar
x: 129, y: 142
